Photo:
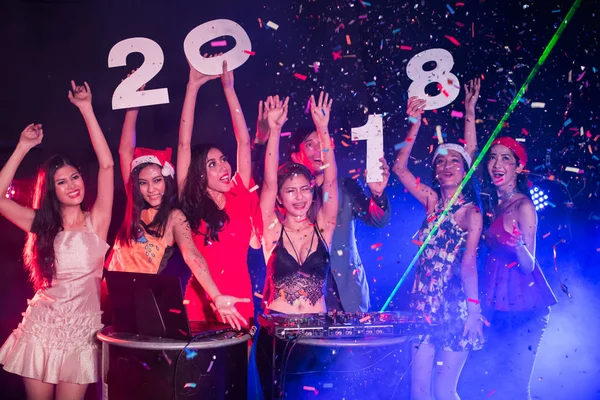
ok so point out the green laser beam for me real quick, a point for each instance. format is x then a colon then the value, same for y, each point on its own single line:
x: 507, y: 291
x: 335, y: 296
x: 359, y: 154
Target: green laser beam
x: 487, y: 146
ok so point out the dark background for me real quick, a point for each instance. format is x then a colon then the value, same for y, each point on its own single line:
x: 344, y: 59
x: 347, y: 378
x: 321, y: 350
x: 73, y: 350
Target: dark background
x: 45, y: 44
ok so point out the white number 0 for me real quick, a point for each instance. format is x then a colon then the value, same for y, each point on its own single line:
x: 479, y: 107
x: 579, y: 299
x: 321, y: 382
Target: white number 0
x: 126, y: 94
x: 447, y: 82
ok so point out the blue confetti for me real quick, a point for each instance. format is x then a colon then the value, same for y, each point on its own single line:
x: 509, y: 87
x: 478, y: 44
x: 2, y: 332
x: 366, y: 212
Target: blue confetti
x: 395, y: 31
x: 372, y: 83
x: 190, y: 354
x: 567, y: 122
x: 400, y: 145
x: 413, y: 120
x: 450, y: 9
x: 325, y: 197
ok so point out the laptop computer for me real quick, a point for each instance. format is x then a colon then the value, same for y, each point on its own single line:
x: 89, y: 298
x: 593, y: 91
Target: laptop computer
x: 152, y: 305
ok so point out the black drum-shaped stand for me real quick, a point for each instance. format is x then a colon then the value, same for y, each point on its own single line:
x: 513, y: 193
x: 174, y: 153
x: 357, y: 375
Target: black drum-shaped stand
x: 334, y: 368
x: 137, y: 367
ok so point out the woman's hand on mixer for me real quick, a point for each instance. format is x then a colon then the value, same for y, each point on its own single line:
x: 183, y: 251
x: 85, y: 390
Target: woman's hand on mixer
x: 226, y: 307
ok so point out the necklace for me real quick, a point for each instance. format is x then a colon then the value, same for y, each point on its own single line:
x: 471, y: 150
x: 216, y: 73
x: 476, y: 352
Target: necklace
x: 508, y: 195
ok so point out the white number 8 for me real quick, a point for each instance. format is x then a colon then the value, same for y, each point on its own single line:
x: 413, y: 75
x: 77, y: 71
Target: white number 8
x: 447, y: 82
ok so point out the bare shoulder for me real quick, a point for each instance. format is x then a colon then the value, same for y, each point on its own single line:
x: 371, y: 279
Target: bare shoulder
x: 176, y: 216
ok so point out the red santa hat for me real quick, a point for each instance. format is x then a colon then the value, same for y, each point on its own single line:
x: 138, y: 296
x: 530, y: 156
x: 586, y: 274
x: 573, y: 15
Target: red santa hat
x: 159, y: 157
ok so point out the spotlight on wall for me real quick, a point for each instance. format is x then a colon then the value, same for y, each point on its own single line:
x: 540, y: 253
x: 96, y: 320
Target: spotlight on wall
x: 539, y: 197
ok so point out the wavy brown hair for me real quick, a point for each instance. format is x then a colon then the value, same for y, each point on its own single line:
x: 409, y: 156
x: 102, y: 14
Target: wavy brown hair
x: 38, y: 253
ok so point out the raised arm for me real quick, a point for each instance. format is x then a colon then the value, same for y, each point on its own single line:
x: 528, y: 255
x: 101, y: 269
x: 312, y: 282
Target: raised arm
x: 320, y: 112
x: 17, y: 214
x: 242, y: 137
x: 373, y: 210
x: 468, y: 274
x: 259, y: 145
x: 186, y: 124
x: 127, y: 144
x: 525, y: 229
x: 225, y: 304
x: 471, y: 96
x: 423, y: 193
x: 276, y: 112
x: 81, y: 97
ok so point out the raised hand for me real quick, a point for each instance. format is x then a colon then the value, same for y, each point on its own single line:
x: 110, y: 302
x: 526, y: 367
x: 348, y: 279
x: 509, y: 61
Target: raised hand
x: 31, y: 136
x: 227, y: 77
x: 276, y: 112
x: 472, y: 95
x: 197, y: 78
x: 80, y: 96
x: 262, y: 124
x: 415, y: 108
x: 377, y: 188
x: 131, y: 73
x: 226, y: 307
x: 321, y: 110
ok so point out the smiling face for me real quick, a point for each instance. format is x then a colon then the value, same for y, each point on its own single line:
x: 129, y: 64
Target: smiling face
x: 218, y: 171
x: 296, y: 196
x: 502, y: 166
x: 449, y: 169
x: 152, y: 185
x: 69, y: 186
x: 310, y: 154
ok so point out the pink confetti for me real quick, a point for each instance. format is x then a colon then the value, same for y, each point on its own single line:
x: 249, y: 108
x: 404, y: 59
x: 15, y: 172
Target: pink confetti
x: 175, y: 311
x: 300, y: 76
x: 402, y: 47
x: 210, y: 366
x: 219, y: 43
x: 250, y: 52
x: 284, y: 134
x: 453, y: 40
x: 456, y: 114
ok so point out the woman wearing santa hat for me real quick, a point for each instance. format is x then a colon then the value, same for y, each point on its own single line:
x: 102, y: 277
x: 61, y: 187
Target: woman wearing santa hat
x: 153, y: 224
x: 516, y: 292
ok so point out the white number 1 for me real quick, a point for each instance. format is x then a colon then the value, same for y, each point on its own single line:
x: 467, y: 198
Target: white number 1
x: 372, y: 132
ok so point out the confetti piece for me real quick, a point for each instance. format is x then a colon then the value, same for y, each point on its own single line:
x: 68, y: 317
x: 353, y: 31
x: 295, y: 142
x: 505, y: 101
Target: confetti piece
x: 219, y: 43
x: 375, y: 246
x: 372, y: 83
x: 417, y: 183
x: 285, y: 134
x: 327, y: 385
x: 456, y: 114
x: 524, y: 131
x: 175, y: 311
x: 402, y: 47
x: 252, y: 53
x: 573, y: 169
x: 272, y: 25
x: 546, y: 235
x: 440, y: 363
x: 364, y: 319
x: 190, y: 354
x: 417, y: 242
x: 337, y: 55
x: 438, y: 132
x: 400, y: 145
x: 395, y: 31
x: 186, y: 302
x: 355, y: 176
x: 253, y: 189
x: 325, y: 197
x: 474, y: 301
x: 512, y: 264
x: 531, y: 284
x: 189, y: 385
x: 210, y: 366
x: 413, y: 120
x: 567, y: 122
x: 492, y: 392
x: 348, y: 41
x: 453, y: 40
x: 256, y: 294
x: 536, y: 104
x: 260, y: 23
x: 300, y: 76
x: 322, y: 167
x: 425, y: 121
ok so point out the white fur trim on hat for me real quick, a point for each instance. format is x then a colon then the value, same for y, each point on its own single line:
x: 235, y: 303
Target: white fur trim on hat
x: 452, y: 146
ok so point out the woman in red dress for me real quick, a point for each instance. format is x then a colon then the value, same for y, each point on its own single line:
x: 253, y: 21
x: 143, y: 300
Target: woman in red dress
x: 222, y: 210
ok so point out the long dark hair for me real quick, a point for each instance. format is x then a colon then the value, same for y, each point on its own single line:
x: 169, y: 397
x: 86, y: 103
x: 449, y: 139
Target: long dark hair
x: 196, y: 204
x: 490, y: 193
x: 128, y: 232
x: 470, y: 191
x: 38, y: 252
x: 291, y: 169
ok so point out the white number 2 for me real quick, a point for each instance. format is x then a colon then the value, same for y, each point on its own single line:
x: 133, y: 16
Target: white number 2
x: 372, y: 132
x: 126, y: 94
x: 448, y: 83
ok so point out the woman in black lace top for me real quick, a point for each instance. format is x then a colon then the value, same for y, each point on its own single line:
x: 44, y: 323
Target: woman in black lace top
x: 298, y: 237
